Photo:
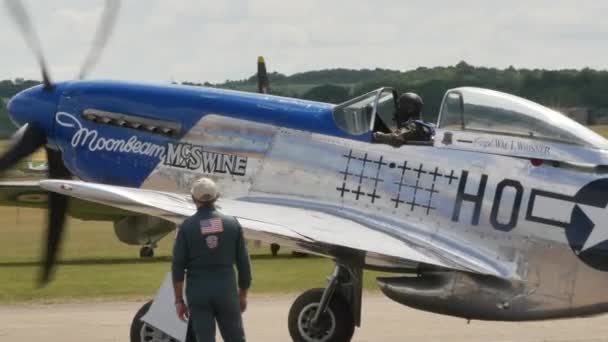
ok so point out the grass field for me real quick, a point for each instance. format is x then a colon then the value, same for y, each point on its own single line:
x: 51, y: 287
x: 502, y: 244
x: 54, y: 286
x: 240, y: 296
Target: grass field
x: 96, y: 266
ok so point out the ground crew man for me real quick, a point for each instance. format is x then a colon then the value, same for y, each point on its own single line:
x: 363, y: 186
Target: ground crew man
x: 207, y: 246
x: 409, y: 125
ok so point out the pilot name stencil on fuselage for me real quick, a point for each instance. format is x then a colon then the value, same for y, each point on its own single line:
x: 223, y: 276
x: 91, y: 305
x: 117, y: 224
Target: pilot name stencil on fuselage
x: 513, y: 145
x: 196, y: 158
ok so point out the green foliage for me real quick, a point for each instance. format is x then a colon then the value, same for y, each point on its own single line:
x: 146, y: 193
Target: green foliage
x: 554, y: 88
x: 327, y: 93
x: 7, y: 128
x: 8, y: 88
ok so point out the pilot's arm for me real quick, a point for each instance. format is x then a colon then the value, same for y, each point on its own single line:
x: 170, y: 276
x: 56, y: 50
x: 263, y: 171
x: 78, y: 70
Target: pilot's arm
x: 393, y: 139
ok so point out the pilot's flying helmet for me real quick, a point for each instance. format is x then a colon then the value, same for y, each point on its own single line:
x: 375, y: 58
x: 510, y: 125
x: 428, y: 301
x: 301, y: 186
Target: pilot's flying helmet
x: 409, y: 106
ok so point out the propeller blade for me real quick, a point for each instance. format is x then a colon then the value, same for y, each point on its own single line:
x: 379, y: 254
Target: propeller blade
x: 25, y: 141
x: 57, y: 169
x: 103, y: 33
x: 262, y: 76
x: 22, y: 19
x: 57, y: 211
x: 29, y: 137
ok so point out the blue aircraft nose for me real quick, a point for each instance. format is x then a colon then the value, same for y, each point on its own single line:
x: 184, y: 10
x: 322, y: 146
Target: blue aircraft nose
x: 35, y: 105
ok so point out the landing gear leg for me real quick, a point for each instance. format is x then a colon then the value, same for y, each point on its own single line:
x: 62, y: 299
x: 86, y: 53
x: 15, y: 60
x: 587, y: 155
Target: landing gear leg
x: 330, y: 314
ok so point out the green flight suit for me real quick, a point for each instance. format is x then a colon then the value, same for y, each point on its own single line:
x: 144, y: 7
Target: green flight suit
x: 207, y: 246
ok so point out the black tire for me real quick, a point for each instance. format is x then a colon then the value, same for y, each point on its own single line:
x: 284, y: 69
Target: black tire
x: 137, y: 324
x: 150, y: 333
x: 337, y: 323
x: 146, y: 252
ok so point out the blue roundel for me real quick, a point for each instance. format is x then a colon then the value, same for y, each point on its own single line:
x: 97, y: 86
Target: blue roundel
x: 581, y: 227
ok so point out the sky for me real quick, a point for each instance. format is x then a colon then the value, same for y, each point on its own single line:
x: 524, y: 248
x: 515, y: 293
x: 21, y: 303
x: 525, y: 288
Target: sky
x: 201, y: 40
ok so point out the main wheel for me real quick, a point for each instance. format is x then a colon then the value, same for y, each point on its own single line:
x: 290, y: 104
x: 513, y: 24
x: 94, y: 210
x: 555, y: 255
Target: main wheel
x: 146, y: 252
x: 335, y: 324
x: 143, y: 332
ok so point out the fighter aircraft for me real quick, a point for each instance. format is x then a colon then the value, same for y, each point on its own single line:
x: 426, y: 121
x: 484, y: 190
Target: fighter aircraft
x: 500, y: 216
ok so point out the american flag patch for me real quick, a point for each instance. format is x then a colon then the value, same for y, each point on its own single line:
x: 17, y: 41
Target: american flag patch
x: 211, y: 226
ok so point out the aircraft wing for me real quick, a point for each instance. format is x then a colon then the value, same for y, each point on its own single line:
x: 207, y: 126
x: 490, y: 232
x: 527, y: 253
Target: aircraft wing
x: 29, y: 194
x: 23, y: 194
x: 331, y: 233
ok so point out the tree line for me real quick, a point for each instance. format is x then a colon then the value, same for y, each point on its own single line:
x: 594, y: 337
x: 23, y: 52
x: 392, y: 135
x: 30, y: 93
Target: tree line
x: 566, y: 88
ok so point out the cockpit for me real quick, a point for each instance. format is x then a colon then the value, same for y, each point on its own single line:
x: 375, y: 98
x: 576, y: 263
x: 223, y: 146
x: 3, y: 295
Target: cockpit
x: 473, y: 111
x: 369, y: 112
x: 492, y: 112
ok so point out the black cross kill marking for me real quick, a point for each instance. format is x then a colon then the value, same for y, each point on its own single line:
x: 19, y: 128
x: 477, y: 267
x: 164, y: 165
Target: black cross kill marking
x: 343, y: 189
x: 419, y: 170
x: 413, y: 202
x: 377, y: 178
x: 431, y: 192
x: 397, y: 199
x: 435, y: 174
x: 358, y: 192
x: 361, y: 176
x: 451, y: 177
x: 364, y: 160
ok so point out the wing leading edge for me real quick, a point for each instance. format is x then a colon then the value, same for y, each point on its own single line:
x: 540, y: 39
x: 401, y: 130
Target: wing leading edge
x: 330, y: 232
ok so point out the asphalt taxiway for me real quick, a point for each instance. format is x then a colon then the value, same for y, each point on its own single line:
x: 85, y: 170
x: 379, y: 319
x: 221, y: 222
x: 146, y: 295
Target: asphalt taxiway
x: 265, y: 320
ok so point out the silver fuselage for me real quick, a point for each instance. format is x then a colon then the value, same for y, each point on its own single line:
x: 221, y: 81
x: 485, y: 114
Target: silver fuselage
x: 470, y: 198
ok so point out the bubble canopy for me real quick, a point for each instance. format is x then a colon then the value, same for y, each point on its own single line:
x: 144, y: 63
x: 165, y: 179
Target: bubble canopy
x: 489, y: 111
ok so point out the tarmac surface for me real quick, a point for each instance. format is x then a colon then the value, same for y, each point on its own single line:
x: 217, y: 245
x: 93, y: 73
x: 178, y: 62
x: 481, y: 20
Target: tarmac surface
x: 265, y: 320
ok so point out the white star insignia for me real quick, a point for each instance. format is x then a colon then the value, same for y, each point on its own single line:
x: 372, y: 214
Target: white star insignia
x: 599, y: 232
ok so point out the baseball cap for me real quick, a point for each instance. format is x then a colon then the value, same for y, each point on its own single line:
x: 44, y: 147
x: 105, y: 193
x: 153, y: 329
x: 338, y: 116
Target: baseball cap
x: 204, y: 190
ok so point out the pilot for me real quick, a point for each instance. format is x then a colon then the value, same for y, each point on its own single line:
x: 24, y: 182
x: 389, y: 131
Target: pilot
x: 410, y: 127
x: 207, y: 246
